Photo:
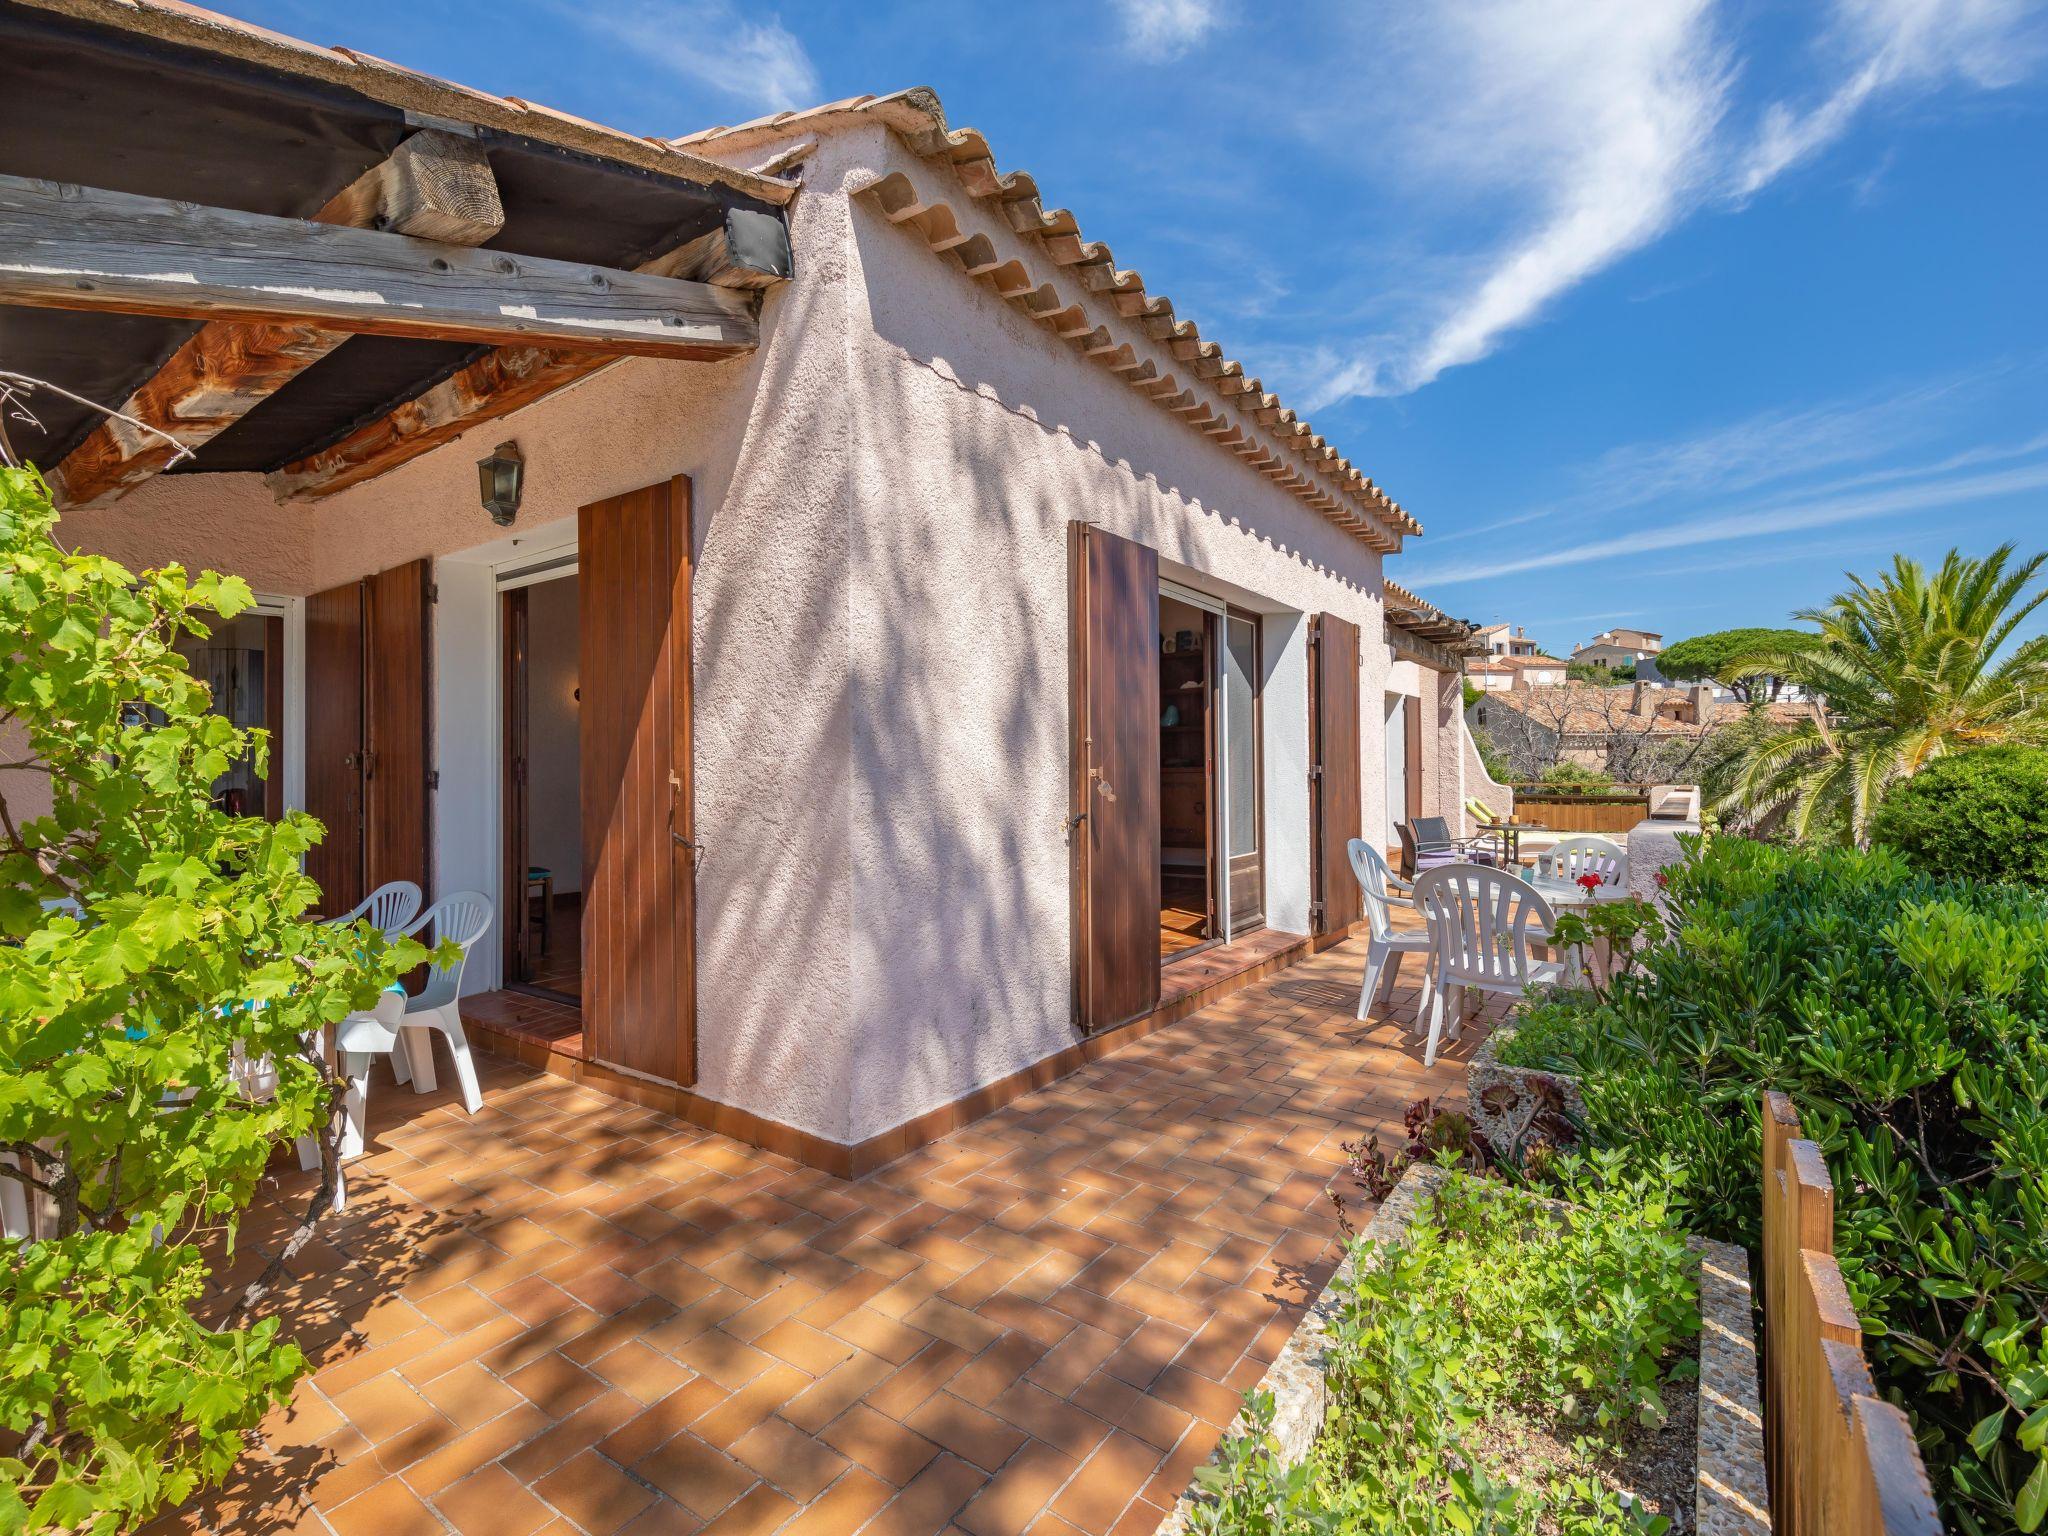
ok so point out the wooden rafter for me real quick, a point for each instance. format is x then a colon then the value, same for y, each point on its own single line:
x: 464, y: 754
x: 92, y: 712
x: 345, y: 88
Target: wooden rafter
x: 435, y: 186
x: 744, y: 254
x: 67, y: 247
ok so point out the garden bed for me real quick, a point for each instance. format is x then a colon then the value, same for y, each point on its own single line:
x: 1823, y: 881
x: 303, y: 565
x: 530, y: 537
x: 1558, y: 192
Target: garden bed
x: 1685, y: 1443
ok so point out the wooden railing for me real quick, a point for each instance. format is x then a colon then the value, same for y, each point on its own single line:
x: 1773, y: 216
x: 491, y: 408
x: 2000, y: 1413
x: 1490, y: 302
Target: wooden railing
x: 1564, y: 811
x: 1842, y: 1460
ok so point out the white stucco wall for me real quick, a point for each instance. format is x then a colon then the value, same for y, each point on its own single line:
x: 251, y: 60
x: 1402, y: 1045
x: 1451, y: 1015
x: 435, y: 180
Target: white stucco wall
x: 882, y: 495
x: 977, y: 437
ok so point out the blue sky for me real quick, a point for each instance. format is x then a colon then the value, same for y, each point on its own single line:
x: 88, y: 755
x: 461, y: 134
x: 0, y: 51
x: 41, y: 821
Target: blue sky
x: 1660, y: 312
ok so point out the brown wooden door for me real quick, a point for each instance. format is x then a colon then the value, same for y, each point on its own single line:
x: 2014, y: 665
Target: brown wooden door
x: 513, y: 901
x: 334, y: 743
x: 1116, y: 777
x: 1333, y: 771
x: 397, y: 835
x: 639, y: 881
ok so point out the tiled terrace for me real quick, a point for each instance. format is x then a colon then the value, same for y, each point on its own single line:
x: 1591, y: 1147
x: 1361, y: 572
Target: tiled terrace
x: 572, y: 1315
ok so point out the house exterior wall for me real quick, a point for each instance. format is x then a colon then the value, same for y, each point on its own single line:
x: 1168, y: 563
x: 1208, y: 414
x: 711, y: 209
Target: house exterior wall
x: 977, y: 438
x: 881, y: 496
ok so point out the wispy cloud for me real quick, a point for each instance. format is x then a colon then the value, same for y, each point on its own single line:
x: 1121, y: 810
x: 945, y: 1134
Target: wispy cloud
x: 1168, y: 27
x: 1880, y: 47
x: 1598, y: 127
x: 1822, y: 508
x: 749, y: 57
x: 1594, y: 118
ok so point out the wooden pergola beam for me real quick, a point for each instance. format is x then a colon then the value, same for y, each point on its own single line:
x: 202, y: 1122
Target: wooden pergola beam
x: 435, y: 186
x: 67, y: 247
x: 741, y: 255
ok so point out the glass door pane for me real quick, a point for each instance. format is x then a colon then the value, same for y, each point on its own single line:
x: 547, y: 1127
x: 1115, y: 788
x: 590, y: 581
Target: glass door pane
x: 1241, y: 772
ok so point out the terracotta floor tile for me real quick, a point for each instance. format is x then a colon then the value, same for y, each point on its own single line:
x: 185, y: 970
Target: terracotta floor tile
x: 966, y: 1430
x: 800, y: 1465
x: 1013, y: 1500
x: 761, y: 1511
x: 492, y: 1503
x: 886, y: 1448
x: 570, y: 1302
x: 594, y: 1493
x: 1108, y: 1480
x: 695, y: 1474
x: 388, y: 1509
x: 929, y: 1504
x: 646, y: 1373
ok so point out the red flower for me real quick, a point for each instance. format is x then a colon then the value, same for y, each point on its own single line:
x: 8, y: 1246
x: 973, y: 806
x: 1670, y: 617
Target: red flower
x: 1590, y: 882
x: 1663, y: 881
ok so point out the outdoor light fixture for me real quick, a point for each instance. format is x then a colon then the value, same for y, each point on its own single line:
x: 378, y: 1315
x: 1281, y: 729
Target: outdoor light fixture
x: 500, y: 479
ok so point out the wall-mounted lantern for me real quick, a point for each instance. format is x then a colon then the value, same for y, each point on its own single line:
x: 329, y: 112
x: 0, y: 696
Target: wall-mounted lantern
x: 501, y: 479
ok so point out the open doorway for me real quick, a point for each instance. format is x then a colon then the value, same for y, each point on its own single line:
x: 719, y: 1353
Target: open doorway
x: 1211, y: 843
x: 1187, y: 778
x: 242, y: 664
x: 543, y: 790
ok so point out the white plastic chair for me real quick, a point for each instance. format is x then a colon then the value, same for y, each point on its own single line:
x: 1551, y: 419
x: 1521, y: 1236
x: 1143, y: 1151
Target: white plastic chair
x: 1481, y: 924
x: 464, y: 917
x: 1384, y: 943
x: 397, y: 1027
x: 389, y: 908
x: 1576, y: 856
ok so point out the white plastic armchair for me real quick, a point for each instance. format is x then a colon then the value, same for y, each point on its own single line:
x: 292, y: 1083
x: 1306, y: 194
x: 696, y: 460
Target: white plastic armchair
x: 1482, y: 923
x: 464, y: 918
x: 389, y: 908
x: 1383, y: 944
x: 1576, y: 856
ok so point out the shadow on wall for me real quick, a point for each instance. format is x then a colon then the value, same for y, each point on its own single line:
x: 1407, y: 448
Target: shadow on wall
x: 959, y: 329
x: 959, y: 685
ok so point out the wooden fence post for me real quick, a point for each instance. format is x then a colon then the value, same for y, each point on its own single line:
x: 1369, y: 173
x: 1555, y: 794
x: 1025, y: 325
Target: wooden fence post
x: 1842, y: 1462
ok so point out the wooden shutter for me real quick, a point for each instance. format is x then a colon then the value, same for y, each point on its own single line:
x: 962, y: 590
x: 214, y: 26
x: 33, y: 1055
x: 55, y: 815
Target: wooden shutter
x: 334, y: 743
x: 1115, y: 791
x: 639, y: 882
x: 1412, y: 777
x: 1336, y: 805
x: 397, y: 835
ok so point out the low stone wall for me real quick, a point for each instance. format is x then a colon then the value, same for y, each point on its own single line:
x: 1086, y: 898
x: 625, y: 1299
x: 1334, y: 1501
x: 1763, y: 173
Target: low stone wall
x: 1654, y: 846
x: 1501, y: 1096
x: 1731, y: 1497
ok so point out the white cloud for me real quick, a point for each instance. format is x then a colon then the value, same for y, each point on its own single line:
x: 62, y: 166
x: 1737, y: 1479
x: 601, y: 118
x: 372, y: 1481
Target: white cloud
x: 749, y: 57
x: 1168, y: 27
x: 1881, y: 46
x: 1582, y: 133
x: 1590, y: 122
x: 1825, y: 508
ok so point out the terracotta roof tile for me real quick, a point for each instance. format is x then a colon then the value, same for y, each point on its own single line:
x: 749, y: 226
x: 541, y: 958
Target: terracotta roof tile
x: 1324, y: 477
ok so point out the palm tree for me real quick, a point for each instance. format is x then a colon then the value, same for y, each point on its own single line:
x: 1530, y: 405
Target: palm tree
x: 1905, y: 670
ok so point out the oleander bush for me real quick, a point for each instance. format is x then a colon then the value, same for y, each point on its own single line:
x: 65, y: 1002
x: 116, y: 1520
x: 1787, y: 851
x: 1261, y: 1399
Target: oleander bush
x: 1907, y: 1018
x: 153, y: 949
x: 1493, y: 1326
x: 1972, y: 816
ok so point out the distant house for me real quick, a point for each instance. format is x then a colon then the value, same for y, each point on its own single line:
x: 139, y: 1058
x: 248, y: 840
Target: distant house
x: 1501, y: 640
x: 1619, y: 647
x: 1636, y: 732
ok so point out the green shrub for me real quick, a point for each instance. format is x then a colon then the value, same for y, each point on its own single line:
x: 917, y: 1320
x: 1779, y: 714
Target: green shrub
x: 1980, y: 815
x: 1908, y: 1020
x: 1577, y: 776
x: 127, y: 1381
x: 1491, y: 1308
